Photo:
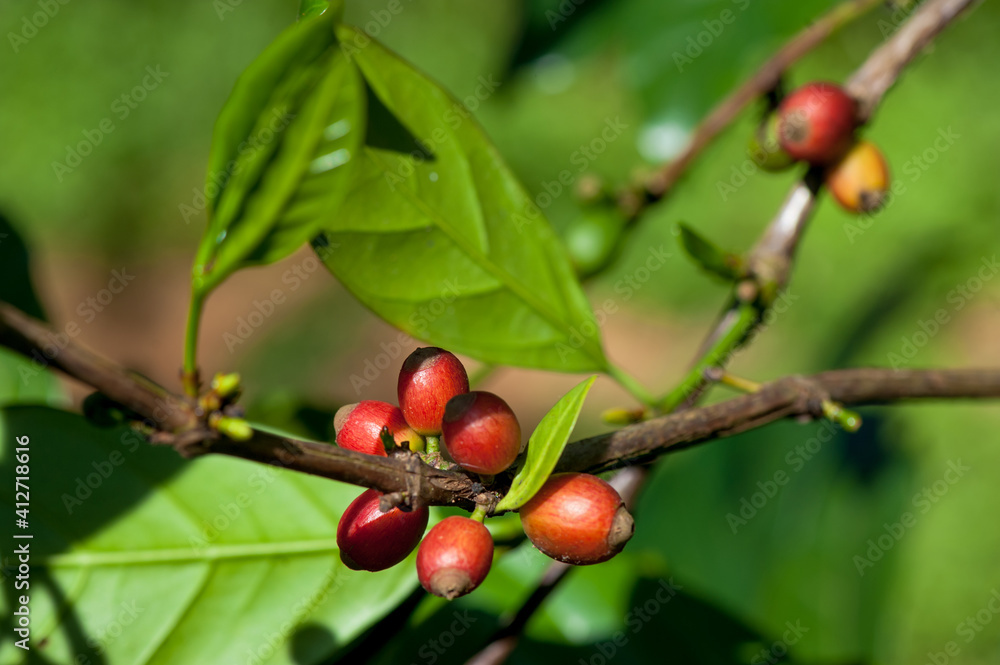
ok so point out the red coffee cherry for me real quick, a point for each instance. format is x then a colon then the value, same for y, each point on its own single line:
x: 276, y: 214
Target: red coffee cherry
x: 372, y: 540
x: 428, y: 379
x: 359, y: 427
x: 455, y: 557
x: 577, y: 518
x: 860, y: 181
x: 480, y: 432
x: 816, y: 122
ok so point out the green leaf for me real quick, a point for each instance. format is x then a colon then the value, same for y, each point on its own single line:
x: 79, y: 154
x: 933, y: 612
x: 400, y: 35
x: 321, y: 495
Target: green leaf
x: 438, y: 238
x: 283, y: 152
x: 727, y: 265
x: 158, y: 560
x: 545, y: 446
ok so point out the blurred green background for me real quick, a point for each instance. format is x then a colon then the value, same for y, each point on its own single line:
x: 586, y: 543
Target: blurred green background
x: 862, y: 294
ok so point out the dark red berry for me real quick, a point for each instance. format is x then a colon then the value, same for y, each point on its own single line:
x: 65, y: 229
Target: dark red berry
x: 428, y: 379
x: 577, y: 518
x: 372, y: 540
x: 480, y: 432
x: 455, y: 557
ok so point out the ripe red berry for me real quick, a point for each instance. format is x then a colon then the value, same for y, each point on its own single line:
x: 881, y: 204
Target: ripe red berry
x: 577, y: 518
x: 428, y: 379
x: 817, y: 122
x: 860, y: 181
x: 372, y: 540
x: 455, y: 557
x: 480, y: 432
x: 359, y: 427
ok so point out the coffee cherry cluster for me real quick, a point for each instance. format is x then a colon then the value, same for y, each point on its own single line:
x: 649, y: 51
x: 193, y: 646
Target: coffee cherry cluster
x: 816, y: 124
x: 575, y: 518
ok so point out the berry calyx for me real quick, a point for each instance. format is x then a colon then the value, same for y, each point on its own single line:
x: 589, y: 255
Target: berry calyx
x: 359, y: 427
x: 428, y: 379
x: 480, y: 432
x: 455, y: 557
x: 816, y: 122
x: 860, y: 181
x: 765, y: 149
x: 370, y: 539
x: 577, y: 518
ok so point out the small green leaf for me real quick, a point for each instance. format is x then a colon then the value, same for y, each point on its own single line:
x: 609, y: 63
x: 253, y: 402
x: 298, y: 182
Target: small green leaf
x: 711, y: 258
x: 545, y: 447
x: 440, y: 240
x: 284, y: 151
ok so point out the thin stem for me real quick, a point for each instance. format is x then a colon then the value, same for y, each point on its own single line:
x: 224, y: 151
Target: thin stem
x: 190, y: 376
x: 716, y: 356
x: 479, y: 514
x: 629, y: 383
x: 739, y: 383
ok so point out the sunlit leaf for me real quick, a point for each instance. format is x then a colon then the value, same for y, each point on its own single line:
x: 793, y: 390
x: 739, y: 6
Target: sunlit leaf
x: 438, y: 238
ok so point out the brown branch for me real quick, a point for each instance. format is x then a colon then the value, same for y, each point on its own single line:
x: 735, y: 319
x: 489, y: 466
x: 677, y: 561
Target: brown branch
x: 764, y: 80
x: 182, y: 426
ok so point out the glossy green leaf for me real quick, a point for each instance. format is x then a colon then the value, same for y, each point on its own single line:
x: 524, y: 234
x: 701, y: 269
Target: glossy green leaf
x: 709, y: 257
x: 438, y: 238
x: 283, y: 151
x: 546, y: 446
x: 153, y: 559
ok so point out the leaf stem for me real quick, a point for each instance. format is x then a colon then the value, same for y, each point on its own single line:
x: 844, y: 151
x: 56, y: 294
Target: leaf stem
x: 715, y: 356
x: 190, y: 375
x: 629, y: 383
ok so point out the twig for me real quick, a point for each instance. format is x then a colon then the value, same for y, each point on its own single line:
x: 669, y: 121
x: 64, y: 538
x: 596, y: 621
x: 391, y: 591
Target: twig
x: 765, y: 79
x: 770, y: 261
x: 183, y: 427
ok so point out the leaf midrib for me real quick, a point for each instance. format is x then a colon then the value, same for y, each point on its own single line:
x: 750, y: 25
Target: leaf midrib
x: 496, y: 271
x: 189, y: 555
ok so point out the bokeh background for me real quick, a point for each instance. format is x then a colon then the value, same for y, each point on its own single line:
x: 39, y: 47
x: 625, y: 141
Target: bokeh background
x: 863, y: 293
